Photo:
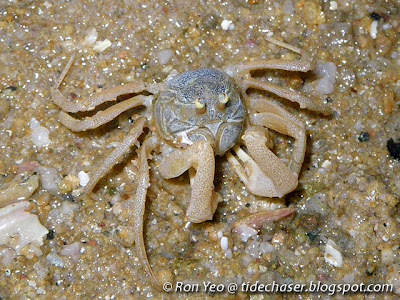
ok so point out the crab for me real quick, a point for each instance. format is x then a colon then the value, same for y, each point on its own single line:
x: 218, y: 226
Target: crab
x: 200, y: 114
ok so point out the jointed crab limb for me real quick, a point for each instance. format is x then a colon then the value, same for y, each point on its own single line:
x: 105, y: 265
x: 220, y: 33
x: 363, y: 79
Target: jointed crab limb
x: 104, y: 116
x: 116, y: 155
x: 288, y: 127
x: 274, y: 64
x: 97, y: 99
x: 139, y: 205
x: 263, y: 173
x: 264, y: 105
x: 200, y: 156
x: 293, y: 96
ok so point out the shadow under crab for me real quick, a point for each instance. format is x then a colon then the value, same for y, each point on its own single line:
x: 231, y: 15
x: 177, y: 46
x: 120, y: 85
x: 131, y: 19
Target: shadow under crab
x: 201, y: 114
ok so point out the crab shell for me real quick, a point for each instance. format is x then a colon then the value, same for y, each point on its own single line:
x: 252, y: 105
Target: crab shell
x: 176, y: 114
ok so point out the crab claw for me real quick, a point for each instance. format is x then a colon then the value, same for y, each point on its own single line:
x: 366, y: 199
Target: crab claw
x: 258, y: 183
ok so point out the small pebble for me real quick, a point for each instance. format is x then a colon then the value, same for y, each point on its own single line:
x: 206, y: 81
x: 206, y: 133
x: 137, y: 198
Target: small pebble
x: 333, y: 5
x: 227, y: 25
x: 374, y: 29
x: 363, y: 137
x: 40, y: 134
x: 224, y: 243
x: 83, y: 178
x: 326, y: 164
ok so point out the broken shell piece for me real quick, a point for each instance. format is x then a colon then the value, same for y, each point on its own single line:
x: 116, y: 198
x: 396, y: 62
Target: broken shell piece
x: 256, y: 220
x: 19, y: 228
x: 333, y: 256
x: 249, y: 226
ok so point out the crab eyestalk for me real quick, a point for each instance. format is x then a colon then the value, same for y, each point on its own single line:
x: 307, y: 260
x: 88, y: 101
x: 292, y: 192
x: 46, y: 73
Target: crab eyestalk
x: 200, y: 106
x: 222, y: 100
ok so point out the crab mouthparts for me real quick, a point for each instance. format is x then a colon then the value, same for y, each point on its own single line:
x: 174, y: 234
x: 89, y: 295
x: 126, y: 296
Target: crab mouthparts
x: 213, y: 127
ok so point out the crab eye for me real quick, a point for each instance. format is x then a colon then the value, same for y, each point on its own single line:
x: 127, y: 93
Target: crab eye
x: 222, y: 100
x: 200, y: 107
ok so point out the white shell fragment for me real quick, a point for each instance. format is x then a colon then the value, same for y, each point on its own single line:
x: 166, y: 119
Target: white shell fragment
x: 100, y: 46
x: 83, y: 178
x: 227, y: 25
x: 245, y: 232
x: 73, y: 251
x: 19, y: 228
x: 91, y: 37
x: 40, y: 134
x: 333, y: 256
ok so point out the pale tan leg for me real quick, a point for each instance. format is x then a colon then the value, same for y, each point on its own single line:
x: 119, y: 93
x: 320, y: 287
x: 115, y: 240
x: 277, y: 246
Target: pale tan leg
x: 104, y: 116
x: 243, y: 75
x: 264, y: 105
x: 200, y: 156
x: 274, y: 64
x: 139, y: 201
x: 117, y: 154
x: 293, y: 96
x: 91, y: 102
x: 263, y: 173
x: 288, y: 127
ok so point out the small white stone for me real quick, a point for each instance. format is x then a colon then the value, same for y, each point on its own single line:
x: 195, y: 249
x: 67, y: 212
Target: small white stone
x: 164, y: 56
x: 224, y: 243
x: 100, y: 46
x: 83, y: 178
x: 333, y: 5
x: 333, y: 256
x: 40, y: 136
x: 373, y: 31
x: 31, y: 283
x: 34, y: 123
x: 90, y: 38
x: 245, y: 232
x: 227, y: 25
x: 326, y: 164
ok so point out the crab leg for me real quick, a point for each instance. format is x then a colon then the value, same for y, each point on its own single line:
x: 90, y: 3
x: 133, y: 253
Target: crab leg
x: 117, y: 153
x: 275, y: 64
x: 104, y: 116
x: 97, y: 99
x: 288, y: 127
x: 139, y: 201
x: 293, y: 96
x: 199, y: 156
